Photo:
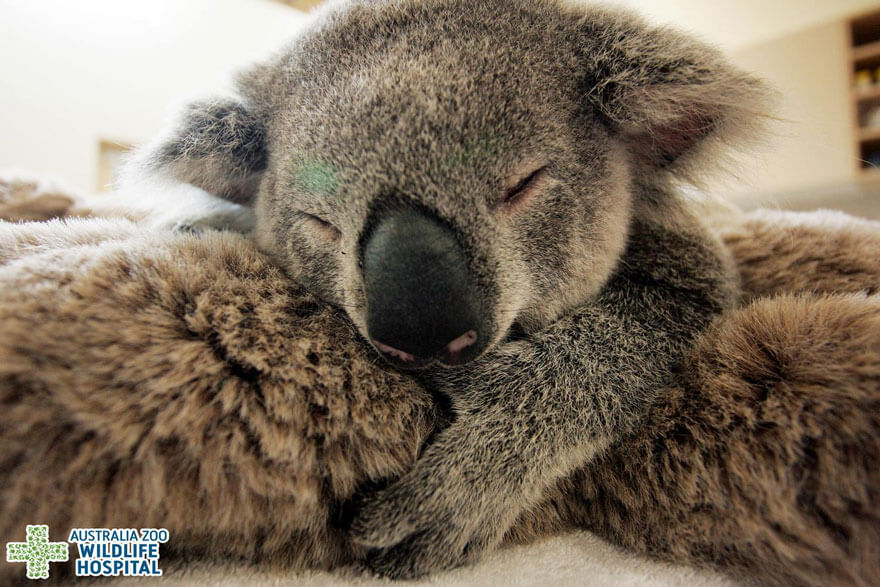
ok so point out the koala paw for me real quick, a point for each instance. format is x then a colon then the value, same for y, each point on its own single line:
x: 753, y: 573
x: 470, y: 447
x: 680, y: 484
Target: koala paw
x: 416, y: 557
x: 434, y: 518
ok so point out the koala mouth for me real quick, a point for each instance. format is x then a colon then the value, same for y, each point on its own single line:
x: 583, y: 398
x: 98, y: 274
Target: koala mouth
x: 421, y: 304
x: 452, y: 354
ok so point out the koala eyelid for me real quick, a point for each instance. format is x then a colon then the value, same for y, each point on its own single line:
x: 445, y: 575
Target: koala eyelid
x: 322, y: 224
x: 521, y: 188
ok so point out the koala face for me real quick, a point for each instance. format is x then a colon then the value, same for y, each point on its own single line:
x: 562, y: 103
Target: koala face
x: 440, y: 200
x: 447, y: 170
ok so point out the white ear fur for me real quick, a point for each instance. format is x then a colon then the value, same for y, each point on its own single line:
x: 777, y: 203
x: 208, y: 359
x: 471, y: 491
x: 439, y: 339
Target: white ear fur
x: 216, y: 145
x: 671, y: 97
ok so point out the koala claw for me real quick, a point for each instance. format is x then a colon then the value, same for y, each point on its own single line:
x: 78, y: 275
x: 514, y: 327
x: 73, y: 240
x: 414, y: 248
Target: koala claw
x: 382, y: 521
x: 417, y: 556
x: 427, y: 521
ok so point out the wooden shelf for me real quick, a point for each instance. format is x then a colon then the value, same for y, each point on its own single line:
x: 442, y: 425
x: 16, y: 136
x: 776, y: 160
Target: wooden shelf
x: 864, y: 27
x: 865, y: 95
x: 866, y: 52
x: 869, y: 134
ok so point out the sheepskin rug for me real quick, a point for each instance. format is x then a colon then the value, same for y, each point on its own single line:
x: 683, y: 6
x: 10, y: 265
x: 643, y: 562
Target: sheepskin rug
x: 158, y: 379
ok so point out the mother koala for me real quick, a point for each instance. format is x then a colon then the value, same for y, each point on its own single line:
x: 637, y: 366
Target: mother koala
x: 487, y: 187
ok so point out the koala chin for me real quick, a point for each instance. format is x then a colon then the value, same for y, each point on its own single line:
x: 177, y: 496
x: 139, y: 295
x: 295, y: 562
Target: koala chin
x: 488, y: 189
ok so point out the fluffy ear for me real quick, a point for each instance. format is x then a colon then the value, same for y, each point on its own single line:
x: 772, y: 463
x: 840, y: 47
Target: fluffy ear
x: 217, y: 145
x: 669, y: 95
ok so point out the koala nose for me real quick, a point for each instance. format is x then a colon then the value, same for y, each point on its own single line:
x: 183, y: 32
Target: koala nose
x: 420, y: 301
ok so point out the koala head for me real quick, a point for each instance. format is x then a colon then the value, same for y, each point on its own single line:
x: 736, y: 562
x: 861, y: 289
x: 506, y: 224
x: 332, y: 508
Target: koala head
x: 445, y: 170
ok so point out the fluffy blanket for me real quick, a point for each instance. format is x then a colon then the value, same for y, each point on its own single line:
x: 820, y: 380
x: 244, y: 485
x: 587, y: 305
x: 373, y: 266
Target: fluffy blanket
x: 157, y: 379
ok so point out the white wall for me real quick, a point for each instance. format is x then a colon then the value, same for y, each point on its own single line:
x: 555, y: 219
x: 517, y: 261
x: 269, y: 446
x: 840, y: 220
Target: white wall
x: 75, y: 71
x: 79, y: 71
x: 735, y: 24
x: 812, y: 144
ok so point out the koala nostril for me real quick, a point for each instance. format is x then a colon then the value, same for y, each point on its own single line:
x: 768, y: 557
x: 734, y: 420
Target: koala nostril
x: 462, y: 342
x: 396, y: 353
x: 452, y: 352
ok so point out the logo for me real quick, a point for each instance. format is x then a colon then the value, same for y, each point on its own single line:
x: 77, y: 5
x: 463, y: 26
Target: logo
x: 103, y: 552
x: 37, y: 552
x: 125, y: 552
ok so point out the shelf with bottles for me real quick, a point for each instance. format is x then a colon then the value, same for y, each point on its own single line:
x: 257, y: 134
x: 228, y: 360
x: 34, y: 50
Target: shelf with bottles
x: 865, y: 69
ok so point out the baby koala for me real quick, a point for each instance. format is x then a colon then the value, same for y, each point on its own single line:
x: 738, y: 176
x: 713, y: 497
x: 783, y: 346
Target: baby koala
x: 487, y: 187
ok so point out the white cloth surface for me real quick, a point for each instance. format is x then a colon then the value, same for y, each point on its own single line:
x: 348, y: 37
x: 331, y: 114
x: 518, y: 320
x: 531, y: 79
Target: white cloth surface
x: 578, y: 558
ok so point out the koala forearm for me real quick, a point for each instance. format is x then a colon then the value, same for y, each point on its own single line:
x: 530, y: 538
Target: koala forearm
x: 537, y: 408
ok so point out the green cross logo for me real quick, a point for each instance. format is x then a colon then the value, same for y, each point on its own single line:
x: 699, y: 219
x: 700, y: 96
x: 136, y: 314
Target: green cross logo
x: 37, y: 552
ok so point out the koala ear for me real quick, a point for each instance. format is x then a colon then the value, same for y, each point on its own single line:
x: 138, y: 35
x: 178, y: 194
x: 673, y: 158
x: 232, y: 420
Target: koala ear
x: 667, y: 94
x: 217, y: 145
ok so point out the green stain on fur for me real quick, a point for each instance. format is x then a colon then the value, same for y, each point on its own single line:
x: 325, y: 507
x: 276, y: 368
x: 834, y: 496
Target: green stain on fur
x: 316, y: 177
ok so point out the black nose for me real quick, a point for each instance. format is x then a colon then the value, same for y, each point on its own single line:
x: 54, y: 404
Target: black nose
x: 421, y: 304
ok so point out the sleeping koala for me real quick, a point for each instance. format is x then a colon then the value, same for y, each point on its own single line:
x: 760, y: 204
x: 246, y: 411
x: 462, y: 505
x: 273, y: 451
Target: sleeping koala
x: 487, y: 187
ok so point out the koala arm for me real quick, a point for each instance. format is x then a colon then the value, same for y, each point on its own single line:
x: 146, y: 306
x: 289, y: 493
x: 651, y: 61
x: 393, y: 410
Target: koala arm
x: 533, y: 410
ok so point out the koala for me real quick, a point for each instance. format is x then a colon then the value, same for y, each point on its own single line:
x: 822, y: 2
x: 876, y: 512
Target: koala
x: 489, y: 189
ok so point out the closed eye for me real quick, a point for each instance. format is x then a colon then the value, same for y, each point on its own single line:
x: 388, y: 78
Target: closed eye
x: 524, y: 187
x: 324, y: 226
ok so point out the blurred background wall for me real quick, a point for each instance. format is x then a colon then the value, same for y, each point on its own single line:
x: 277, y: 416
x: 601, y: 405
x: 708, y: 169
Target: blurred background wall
x: 78, y: 72
x: 93, y: 76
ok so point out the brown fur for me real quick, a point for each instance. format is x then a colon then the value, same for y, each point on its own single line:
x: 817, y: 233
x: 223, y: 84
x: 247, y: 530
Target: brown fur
x: 789, y: 252
x: 765, y: 462
x: 169, y: 380
x: 26, y: 199
x: 182, y: 382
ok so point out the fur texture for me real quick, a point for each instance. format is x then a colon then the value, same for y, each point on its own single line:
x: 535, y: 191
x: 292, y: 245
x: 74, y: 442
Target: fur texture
x: 181, y: 381
x: 763, y: 460
x: 25, y: 198
x: 773, y: 252
x: 545, y: 141
x: 540, y: 142
x: 181, y: 207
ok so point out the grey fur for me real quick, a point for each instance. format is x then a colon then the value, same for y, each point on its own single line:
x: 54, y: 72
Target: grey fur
x: 602, y: 269
x: 222, y: 150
